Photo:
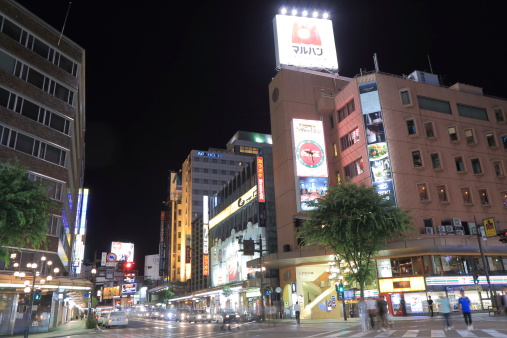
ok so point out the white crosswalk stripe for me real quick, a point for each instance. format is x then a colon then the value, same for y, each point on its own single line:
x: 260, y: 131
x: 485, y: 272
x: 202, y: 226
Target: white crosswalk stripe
x: 494, y: 333
x: 465, y: 333
x: 337, y: 334
x: 437, y: 333
x: 411, y: 333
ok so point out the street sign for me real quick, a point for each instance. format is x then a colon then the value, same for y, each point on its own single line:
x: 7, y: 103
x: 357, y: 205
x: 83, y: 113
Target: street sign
x: 111, y: 257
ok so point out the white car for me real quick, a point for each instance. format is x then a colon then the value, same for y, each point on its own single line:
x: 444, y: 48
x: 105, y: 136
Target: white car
x: 102, y: 318
x: 116, y: 318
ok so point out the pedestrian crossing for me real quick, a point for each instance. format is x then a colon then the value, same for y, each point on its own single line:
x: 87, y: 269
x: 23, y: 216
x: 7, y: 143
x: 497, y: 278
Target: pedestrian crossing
x: 418, y: 334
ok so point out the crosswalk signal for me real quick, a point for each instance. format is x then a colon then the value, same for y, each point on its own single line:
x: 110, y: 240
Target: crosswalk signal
x: 503, y: 236
x: 340, y: 287
x: 476, y: 278
x: 37, y: 294
x: 339, y: 290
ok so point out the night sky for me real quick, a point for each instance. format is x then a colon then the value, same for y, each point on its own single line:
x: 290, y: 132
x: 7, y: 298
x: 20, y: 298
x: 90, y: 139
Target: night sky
x: 164, y: 77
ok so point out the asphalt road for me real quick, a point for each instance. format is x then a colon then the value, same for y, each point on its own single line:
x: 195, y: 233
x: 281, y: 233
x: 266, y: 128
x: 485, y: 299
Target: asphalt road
x: 484, y: 326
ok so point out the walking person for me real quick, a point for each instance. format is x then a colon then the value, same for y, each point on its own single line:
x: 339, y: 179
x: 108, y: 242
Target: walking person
x: 430, y: 305
x: 382, y: 312
x: 297, y: 310
x: 445, y: 309
x: 371, y: 306
x: 464, y: 307
x: 362, y: 308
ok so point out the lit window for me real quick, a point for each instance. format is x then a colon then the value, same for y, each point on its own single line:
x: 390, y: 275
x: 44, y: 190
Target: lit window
x: 504, y: 142
x: 460, y: 166
x: 335, y: 149
x: 503, y: 195
x: 442, y: 195
x: 483, y: 196
x: 498, y: 168
x: 499, y: 114
x: 435, y: 161
x: 490, y: 138
x: 465, y: 194
x: 453, y: 135
x: 411, y: 127
x: 416, y: 158
x: 338, y: 178
x: 476, y: 166
x: 428, y: 129
x: 422, y: 189
x: 469, y: 136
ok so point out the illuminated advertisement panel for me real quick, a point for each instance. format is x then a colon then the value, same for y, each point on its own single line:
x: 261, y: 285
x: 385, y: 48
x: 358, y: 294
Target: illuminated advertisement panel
x: 310, y: 161
x: 489, y: 227
x: 205, y: 265
x: 403, y: 284
x: 129, y: 288
x: 249, y: 196
x: 260, y: 180
x: 123, y: 251
x: 304, y: 42
x: 188, y: 251
x: 175, y: 187
x: 377, y: 148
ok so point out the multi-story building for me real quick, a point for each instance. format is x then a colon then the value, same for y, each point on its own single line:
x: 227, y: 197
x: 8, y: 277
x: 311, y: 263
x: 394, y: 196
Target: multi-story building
x: 42, y: 125
x: 438, y: 151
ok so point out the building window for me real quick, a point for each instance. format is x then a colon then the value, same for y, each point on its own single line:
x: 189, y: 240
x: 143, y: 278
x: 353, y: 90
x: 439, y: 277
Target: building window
x: 346, y: 110
x: 460, y: 166
x: 434, y: 105
x: 490, y: 138
x: 338, y: 178
x: 442, y: 194
x: 411, y: 127
x: 179, y: 223
x: 428, y: 129
x: 196, y: 159
x: 499, y: 116
x: 214, y: 182
x: 476, y: 166
x: 405, y: 98
x: 196, y: 191
x: 205, y: 181
x: 504, y: 142
x: 331, y: 121
x: 350, y: 139
x: 179, y: 212
x: 205, y: 170
x: 469, y: 136
x: 222, y: 161
x: 335, y: 149
x: 483, y: 197
x: 205, y: 160
x: 453, y: 134
x: 353, y: 169
x: 179, y: 246
x: 416, y: 158
x: 422, y: 189
x: 214, y: 171
x: 428, y: 222
x: 232, y: 162
x: 196, y: 170
x: 435, y: 161
x: 465, y: 194
x: 179, y: 234
x: 214, y: 160
x: 248, y: 150
x: 196, y: 180
x: 472, y: 112
x: 503, y: 196
x: 498, y: 168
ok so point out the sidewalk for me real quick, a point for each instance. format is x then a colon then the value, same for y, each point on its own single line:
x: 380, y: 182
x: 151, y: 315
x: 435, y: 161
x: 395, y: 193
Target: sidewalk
x: 72, y: 328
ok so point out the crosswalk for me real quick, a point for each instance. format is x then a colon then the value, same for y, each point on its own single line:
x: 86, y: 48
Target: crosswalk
x: 416, y: 333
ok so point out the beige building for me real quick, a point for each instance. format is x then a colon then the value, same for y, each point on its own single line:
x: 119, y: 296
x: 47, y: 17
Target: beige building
x: 440, y: 150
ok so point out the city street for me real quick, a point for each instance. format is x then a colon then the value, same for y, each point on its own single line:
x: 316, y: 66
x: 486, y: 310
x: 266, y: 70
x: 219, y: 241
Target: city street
x: 484, y: 326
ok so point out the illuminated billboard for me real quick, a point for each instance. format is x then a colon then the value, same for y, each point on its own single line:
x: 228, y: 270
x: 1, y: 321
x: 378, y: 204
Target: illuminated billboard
x: 304, y: 42
x: 129, y: 288
x: 123, y: 251
x: 247, y: 197
x: 310, y: 161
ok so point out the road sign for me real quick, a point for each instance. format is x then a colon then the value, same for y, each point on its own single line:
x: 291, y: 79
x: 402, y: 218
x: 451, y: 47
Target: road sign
x: 111, y: 257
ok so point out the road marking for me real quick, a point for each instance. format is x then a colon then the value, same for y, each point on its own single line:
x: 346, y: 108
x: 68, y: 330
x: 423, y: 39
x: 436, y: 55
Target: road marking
x: 336, y: 334
x: 361, y: 334
x: 437, y: 333
x: 411, y: 333
x: 386, y: 333
x: 465, y: 333
x: 495, y: 333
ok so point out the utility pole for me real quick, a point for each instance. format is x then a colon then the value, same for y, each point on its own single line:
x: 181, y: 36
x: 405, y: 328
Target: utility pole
x: 485, y: 263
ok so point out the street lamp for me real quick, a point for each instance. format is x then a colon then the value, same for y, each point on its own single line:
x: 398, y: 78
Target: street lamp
x: 89, y: 318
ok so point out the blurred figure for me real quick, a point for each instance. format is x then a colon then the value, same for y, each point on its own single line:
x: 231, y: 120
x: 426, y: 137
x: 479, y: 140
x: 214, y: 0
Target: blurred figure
x: 362, y: 308
x: 503, y: 301
x: 297, y: 310
x: 382, y: 312
x: 445, y: 309
x: 430, y: 305
x: 371, y: 306
x: 464, y: 306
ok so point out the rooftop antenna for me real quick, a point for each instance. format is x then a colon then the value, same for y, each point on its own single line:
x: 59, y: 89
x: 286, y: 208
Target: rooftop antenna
x: 429, y: 61
x: 64, y: 22
x: 375, y: 60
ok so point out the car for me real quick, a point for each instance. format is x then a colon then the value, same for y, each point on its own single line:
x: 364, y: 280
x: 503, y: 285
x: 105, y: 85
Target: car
x: 157, y: 314
x: 227, y: 316
x: 181, y: 315
x: 116, y: 318
x: 169, y: 315
x: 199, y: 316
x: 102, y: 318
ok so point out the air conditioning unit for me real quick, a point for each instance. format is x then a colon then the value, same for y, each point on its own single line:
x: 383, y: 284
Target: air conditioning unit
x: 428, y: 231
x: 456, y: 222
x: 460, y: 232
x: 441, y: 230
x: 449, y: 230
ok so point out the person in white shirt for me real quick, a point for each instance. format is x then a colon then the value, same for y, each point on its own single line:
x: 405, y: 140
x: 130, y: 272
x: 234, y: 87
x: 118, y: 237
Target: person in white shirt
x: 297, y: 310
x: 363, y: 314
x: 371, y: 306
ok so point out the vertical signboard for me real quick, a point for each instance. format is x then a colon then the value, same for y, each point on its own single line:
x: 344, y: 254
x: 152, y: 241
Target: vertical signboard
x: 175, y: 187
x: 162, y: 243
x: 261, y: 192
x: 205, y: 265
x: 188, y: 252
x: 310, y: 161
x: 378, y: 152
x: 205, y: 221
x: 489, y: 227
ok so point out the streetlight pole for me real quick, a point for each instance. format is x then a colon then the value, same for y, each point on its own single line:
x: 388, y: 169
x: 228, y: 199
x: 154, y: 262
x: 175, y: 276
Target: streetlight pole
x: 485, y: 264
x: 89, y: 318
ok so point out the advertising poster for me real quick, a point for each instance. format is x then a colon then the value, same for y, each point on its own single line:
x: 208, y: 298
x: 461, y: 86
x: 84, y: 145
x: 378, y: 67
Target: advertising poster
x: 129, y: 288
x: 377, y: 148
x: 205, y: 265
x: 489, y: 227
x: 304, y: 42
x: 310, y: 161
x: 188, y: 251
x: 123, y: 251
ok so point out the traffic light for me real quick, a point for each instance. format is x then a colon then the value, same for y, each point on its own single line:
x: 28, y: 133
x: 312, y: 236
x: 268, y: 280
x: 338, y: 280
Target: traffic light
x: 503, y: 236
x: 340, y: 287
x: 37, y: 294
x: 476, y: 278
x: 128, y: 266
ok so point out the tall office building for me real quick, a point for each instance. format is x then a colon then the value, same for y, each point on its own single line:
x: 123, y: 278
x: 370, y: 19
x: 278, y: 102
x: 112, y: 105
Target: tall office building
x: 42, y: 124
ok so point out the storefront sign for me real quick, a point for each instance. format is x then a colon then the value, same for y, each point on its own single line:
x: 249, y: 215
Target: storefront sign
x: 489, y: 227
x: 464, y: 280
x: 260, y: 180
x: 233, y: 207
x: 306, y: 274
x: 253, y: 294
x: 129, y: 288
x: 384, y: 268
x: 464, y: 288
x: 402, y: 284
x: 205, y: 265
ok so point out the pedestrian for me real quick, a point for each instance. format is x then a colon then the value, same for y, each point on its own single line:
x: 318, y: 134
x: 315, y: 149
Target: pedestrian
x: 464, y: 306
x: 430, y: 305
x: 363, y: 314
x: 503, y: 301
x: 382, y: 313
x: 297, y: 310
x: 445, y: 310
x: 371, y: 305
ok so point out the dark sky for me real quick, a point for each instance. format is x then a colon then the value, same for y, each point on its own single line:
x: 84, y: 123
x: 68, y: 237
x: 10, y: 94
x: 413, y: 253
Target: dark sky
x: 166, y: 77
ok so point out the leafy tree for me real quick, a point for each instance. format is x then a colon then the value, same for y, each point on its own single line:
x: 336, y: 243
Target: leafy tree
x: 24, y: 210
x: 164, y: 296
x: 355, y: 222
x: 227, y: 290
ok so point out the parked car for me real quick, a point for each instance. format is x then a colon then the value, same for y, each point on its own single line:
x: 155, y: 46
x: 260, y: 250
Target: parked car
x: 227, y: 316
x: 116, y: 318
x: 199, y: 316
x: 181, y: 315
x: 170, y: 315
x: 157, y: 314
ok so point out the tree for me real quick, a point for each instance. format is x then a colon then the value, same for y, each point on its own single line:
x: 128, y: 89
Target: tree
x: 24, y: 210
x: 164, y: 295
x: 355, y: 222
